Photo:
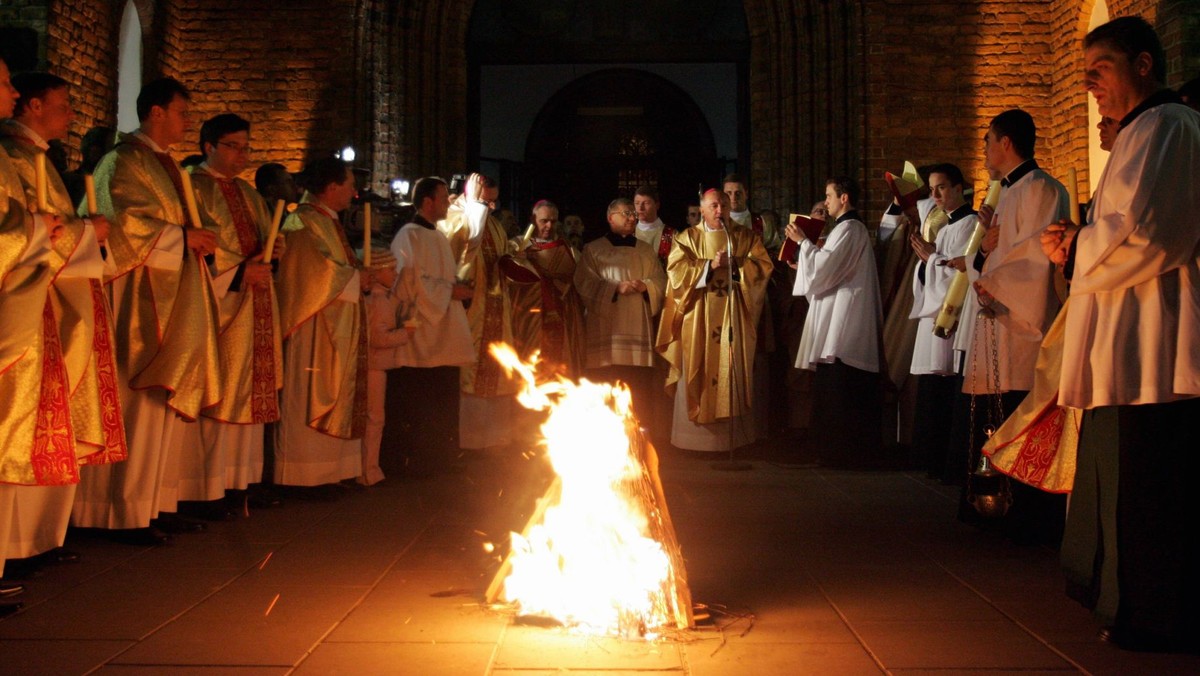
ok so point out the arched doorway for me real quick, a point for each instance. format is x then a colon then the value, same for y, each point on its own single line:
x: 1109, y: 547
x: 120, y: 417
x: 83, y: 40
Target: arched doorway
x: 608, y: 132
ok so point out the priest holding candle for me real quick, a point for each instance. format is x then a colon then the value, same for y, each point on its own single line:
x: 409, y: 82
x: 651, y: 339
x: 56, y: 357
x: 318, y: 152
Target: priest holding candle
x: 323, y: 322
x: 79, y: 308
x: 167, y: 360
x: 230, y: 454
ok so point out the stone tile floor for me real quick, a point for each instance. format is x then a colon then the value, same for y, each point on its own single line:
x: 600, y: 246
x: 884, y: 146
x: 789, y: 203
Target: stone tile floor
x: 842, y: 573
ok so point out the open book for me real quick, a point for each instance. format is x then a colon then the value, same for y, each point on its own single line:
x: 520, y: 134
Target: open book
x: 811, y: 227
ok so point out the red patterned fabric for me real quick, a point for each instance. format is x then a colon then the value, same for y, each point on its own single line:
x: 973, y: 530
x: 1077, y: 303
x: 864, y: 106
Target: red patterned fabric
x: 111, y: 420
x: 53, y: 456
x: 264, y: 405
x: 664, y: 242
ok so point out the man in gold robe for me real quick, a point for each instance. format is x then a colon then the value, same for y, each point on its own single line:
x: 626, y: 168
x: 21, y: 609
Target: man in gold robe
x: 716, y: 282
x: 324, y: 401
x: 80, y: 310
x: 478, y: 242
x: 547, y: 311
x: 230, y: 456
x: 163, y: 302
x: 37, y: 446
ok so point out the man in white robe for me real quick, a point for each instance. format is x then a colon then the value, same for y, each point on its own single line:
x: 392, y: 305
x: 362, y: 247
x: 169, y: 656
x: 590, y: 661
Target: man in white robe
x: 423, y: 387
x: 841, y: 332
x: 933, y: 359
x: 1131, y: 355
x: 1016, y: 286
x: 622, y: 282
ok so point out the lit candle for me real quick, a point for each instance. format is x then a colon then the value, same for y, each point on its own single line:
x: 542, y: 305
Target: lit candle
x: 43, y: 201
x: 366, y: 257
x: 276, y: 219
x: 189, y: 198
x: 1073, y: 194
x: 89, y: 184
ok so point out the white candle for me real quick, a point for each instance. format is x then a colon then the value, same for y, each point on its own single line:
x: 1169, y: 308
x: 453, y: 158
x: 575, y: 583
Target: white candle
x: 1073, y: 194
x: 366, y: 257
x: 993, y: 194
x: 189, y: 198
x: 276, y: 219
x: 89, y: 184
x: 43, y: 201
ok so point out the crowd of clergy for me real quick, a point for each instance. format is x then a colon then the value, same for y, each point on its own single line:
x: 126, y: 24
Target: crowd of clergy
x: 166, y: 333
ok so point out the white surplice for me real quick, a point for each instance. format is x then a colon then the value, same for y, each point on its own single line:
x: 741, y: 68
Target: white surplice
x: 844, y: 309
x: 424, y: 287
x: 1020, y: 278
x: 933, y: 355
x: 1133, y: 326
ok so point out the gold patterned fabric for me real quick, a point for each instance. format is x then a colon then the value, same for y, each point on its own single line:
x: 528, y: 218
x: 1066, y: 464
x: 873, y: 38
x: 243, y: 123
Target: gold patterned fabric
x: 490, y: 312
x: 318, y: 265
x: 547, y: 311
x: 37, y: 445
x: 167, y: 314
x: 714, y: 325
x: 83, y: 317
x: 1039, y: 441
x: 248, y: 338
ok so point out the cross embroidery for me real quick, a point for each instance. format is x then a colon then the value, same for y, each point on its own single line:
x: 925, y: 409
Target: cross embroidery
x: 720, y: 287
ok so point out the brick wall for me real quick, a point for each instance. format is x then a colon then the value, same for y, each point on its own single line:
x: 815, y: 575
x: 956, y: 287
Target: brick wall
x: 854, y: 86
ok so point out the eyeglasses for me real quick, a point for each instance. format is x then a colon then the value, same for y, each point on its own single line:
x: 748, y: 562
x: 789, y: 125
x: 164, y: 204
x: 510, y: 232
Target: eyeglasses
x: 626, y: 214
x: 235, y: 147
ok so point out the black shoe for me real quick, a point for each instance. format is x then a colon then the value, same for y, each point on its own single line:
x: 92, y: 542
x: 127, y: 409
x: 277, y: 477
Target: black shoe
x: 7, y: 609
x: 211, y: 510
x: 10, y: 588
x: 140, y: 537
x: 169, y: 522
x: 262, y: 496
x: 58, y: 555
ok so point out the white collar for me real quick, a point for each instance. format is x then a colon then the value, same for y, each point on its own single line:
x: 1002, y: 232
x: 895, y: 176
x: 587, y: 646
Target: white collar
x: 657, y: 223
x: 30, y: 134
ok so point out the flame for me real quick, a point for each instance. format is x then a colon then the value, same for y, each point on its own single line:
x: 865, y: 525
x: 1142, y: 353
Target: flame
x: 590, y: 560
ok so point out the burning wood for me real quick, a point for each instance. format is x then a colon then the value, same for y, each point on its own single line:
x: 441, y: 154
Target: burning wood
x: 599, y: 552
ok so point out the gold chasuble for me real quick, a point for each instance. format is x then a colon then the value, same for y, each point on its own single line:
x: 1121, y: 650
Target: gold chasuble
x: 489, y: 315
x: 709, y: 321
x: 81, y: 310
x: 166, y: 309
x: 547, y: 311
x: 249, y: 340
x: 37, y: 444
x: 313, y: 275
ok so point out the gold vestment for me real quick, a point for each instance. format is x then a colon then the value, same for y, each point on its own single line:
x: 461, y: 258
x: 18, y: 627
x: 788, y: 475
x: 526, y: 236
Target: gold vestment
x: 547, y: 311
x: 37, y: 445
x: 490, y: 312
x: 84, y: 319
x: 167, y: 317
x: 248, y: 337
x: 314, y: 271
x: 714, y: 326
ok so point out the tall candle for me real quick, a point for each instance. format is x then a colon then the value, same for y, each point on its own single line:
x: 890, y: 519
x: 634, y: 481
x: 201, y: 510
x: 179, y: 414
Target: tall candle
x: 189, y: 198
x: 276, y: 219
x: 366, y: 257
x: 1073, y: 194
x: 993, y: 194
x: 89, y: 184
x: 43, y: 200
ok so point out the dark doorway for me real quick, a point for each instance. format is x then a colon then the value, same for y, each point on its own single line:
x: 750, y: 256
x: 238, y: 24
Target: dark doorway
x: 606, y: 133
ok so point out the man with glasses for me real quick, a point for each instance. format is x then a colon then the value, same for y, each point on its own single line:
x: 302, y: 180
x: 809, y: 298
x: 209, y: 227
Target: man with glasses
x: 622, y: 283
x: 229, y: 452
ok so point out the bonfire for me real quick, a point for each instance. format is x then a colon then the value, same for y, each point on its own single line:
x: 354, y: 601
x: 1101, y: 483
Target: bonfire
x: 599, y: 553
